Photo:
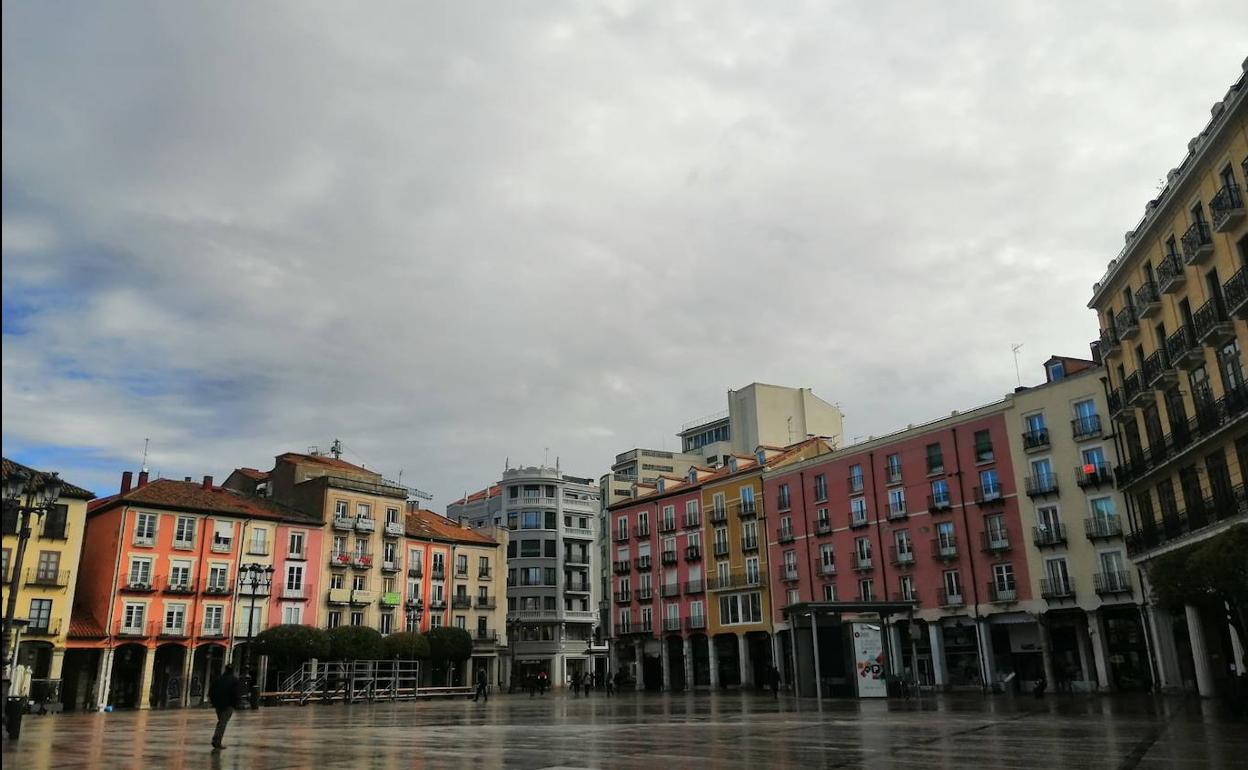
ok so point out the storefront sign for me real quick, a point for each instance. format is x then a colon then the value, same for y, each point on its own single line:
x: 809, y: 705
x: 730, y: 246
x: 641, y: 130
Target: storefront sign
x: 869, y: 660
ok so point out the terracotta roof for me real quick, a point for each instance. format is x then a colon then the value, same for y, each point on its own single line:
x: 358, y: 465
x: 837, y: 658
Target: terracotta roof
x: 67, y: 490
x: 83, y: 626
x: 252, y: 473
x: 328, y: 462
x: 424, y: 523
x: 493, y: 491
x: 191, y: 496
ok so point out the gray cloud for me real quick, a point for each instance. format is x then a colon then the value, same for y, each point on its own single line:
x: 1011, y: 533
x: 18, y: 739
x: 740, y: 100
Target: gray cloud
x: 452, y: 233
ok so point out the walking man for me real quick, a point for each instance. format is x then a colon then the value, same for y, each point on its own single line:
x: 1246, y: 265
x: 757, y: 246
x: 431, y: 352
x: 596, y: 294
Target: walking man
x: 481, y: 688
x: 223, y: 694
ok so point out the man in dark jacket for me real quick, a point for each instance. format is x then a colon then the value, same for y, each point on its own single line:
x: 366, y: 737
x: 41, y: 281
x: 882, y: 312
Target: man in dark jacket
x: 482, y: 691
x: 223, y: 694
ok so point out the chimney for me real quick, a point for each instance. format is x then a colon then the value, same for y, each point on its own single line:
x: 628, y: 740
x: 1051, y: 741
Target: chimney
x: 125, y: 481
x: 142, y: 479
x: 207, y: 482
x: 186, y: 478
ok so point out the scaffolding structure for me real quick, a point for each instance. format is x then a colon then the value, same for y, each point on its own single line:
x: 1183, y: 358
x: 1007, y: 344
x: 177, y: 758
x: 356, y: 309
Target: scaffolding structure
x: 350, y: 682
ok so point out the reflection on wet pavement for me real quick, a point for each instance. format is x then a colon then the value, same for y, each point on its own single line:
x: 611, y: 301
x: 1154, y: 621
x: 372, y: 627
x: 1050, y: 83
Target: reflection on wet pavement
x: 653, y: 731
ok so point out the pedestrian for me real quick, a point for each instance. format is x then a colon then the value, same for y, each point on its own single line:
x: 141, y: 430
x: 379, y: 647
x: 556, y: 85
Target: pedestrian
x: 481, y: 688
x: 223, y: 694
x: 531, y: 682
x: 588, y: 683
x: 543, y: 679
x: 773, y: 679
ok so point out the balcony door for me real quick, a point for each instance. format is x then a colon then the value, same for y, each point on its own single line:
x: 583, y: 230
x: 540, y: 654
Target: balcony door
x: 1048, y: 520
x: 1058, y: 574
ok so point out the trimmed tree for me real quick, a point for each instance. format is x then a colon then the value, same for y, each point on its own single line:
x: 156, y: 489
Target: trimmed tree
x: 288, y: 646
x: 406, y: 645
x: 356, y: 643
x: 448, y: 646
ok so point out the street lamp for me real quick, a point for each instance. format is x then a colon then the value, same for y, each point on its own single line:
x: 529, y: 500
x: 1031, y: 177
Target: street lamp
x: 26, y: 494
x: 257, y: 578
x: 513, y: 628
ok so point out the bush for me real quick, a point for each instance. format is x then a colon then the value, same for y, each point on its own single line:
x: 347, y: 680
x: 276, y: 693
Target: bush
x: 290, y: 645
x: 449, y: 644
x: 356, y: 643
x: 406, y: 646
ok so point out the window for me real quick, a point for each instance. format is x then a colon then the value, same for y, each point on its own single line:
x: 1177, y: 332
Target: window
x: 893, y: 468
x: 740, y: 608
x: 392, y: 515
x: 827, y: 559
x: 782, y: 497
x: 217, y: 577
x: 990, y: 488
x: 222, y: 535
x: 337, y: 580
x: 1056, y: 371
x: 145, y: 529
x: 621, y: 528
x: 341, y: 508
x: 904, y: 546
x: 935, y: 460
x: 1042, y: 474
x: 1003, y: 578
x: 180, y: 575
x: 858, y: 512
x: 359, y: 583
x: 829, y: 592
x: 751, y: 571
x: 896, y: 502
x: 669, y: 518
x: 292, y: 614
x: 483, y: 566
x: 133, y: 617
x: 946, y: 540
x: 1113, y: 573
x: 983, y: 447
x: 995, y: 531
x: 821, y: 488
x: 386, y: 624
x: 357, y: 618
x: 214, y: 619
x: 528, y: 548
x: 953, y: 587
x: 866, y: 590
x: 1057, y: 576
x: 40, y: 618
x: 906, y: 584
x: 862, y: 548
x: 294, y: 577
x: 334, y: 620
x: 363, y: 511
x: 747, y: 500
x: 184, y: 532
x: 855, y: 478
x: 461, y: 564
x: 140, y: 573
x: 48, y: 567
x: 259, y: 541
x: 643, y: 523
x: 940, y: 494
x: 691, y: 513
x: 55, y: 522
x: 295, y: 548
x: 175, y: 618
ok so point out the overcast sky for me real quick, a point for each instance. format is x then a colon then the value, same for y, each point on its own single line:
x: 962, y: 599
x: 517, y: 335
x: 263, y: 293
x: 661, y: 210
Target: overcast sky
x: 454, y: 233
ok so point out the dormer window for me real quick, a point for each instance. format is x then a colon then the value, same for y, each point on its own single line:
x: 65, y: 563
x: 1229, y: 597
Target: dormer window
x: 732, y: 464
x: 693, y: 475
x: 761, y: 457
x: 662, y: 484
x: 1056, y: 371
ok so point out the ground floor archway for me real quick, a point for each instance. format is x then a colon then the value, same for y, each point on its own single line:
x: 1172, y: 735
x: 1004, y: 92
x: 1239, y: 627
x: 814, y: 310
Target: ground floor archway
x: 127, y: 675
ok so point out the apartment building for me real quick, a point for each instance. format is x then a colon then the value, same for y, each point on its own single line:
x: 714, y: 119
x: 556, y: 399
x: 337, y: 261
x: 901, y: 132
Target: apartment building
x: 760, y: 415
x: 45, y: 592
x: 552, y: 599
x: 1172, y: 307
x: 162, y: 598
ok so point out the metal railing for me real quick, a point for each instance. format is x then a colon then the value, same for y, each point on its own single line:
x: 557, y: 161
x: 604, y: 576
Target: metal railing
x: 1049, y: 535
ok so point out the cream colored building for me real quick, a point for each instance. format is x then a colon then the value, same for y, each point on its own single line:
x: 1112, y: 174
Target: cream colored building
x: 1084, y: 590
x: 45, y: 594
x: 761, y: 415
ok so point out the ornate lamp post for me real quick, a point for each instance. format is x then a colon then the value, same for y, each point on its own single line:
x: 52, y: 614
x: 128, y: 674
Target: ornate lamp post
x: 257, y: 578
x: 25, y: 495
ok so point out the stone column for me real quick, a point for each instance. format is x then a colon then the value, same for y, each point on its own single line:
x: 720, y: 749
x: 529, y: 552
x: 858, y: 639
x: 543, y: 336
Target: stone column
x: 1046, y: 652
x: 988, y: 660
x: 896, y: 658
x: 777, y: 657
x: 937, y: 637
x: 1200, y: 653
x: 1100, y: 650
x: 814, y: 651
x: 188, y: 670
x: 1161, y: 626
x: 743, y: 660
x: 714, y: 655
x: 687, y: 659
x: 57, y: 664
x: 145, y: 682
x: 103, y: 679
x: 1085, y: 654
x: 665, y: 657
x: 640, y: 657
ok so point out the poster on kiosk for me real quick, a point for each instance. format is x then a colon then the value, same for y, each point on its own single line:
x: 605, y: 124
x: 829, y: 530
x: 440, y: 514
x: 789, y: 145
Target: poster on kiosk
x: 869, y: 660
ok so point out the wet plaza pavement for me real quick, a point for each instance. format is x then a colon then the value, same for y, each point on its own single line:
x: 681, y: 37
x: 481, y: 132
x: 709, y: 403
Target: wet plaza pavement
x: 653, y: 732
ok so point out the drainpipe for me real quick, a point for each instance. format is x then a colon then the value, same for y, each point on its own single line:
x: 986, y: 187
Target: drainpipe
x: 966, y: 524
x: 110, y: 644
x: 879, y: 529
x: 810, y: 557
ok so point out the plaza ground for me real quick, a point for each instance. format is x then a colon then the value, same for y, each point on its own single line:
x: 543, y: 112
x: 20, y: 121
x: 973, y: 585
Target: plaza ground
x: 655, y: 731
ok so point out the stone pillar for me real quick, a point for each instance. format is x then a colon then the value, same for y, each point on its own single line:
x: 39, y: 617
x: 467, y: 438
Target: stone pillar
x: 743, y: 660
x: 988, y: 660
x: 145, y: 682
x: 188, y: 671
x: 1085, y: 654
x: 936, y: 635
x: 1100, y: 650
x: 57, y: 664
x: 797, y: 678
x: 687, y: 659
x: 896, y: 658
x: 640, y: 657
x: 1237, y: 649
x: 666, y: 657
x: 713, y: 652
x: 777, y: 657
x: 814, y: 651
x: 1161, y: 626
x: 103, y: 679
x: 1046, y: 652
x: 1200, y: 653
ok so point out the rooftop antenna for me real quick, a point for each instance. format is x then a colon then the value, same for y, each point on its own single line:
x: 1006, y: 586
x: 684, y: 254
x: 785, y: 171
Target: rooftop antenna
x: 1017, y: 346
x: 335, y: 449
x: 146, y: 441
x: 546, y: 458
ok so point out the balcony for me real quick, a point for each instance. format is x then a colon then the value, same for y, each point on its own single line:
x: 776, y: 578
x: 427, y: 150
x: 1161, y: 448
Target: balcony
x: 209, y: 630
x: 862, y: 564
x: 826, y: 570
x: 692, y: 521
x: 585, y: 533
x: 340, y: 559
x: 339, y: 595
x: 747, y: 508
x: 394, y: 529
x: 1002, y: 593
x: 941, y: 504
x: 1109, y: 341
x: 413, y: 604
x: 389, y: 599
x: 1041, y: 486
x: 784, y: 535
x: 222, y: 545
x: 1197, y: 243
x: 390, y: 565
x: 175, y: 631
x: 896, y: 509
x: 1183, y: 350
x: 46, y: 627
x: 416, y: 571
x: 1057, y: 590
x: 218, y: 588
x: 1134, y: 392
x: 643, y: 533
x: 906, y: 596
x: 344, y: 523
x: 1094, y: 475
x: 179, y: 586
x: 137, y: 630
x: 721, y: 548
x: 695, y: 622
x: 900, y: 558
x: 719, y: 515
x: 945, y: 548
x: 1147, y: 300
x: 1118, y: 407
x: 622, y: 567
x: 855, y: 484
x: 669, y: 590
x: 621, y: 536
x: 988, y: 495
x: 693, y: 553
x: 1235, y: 292
x: 532, y: 502
x: 645, y: 593
x: 484, y: 573
x: 438, y: 573
x: 1226, y: 208
x: 671, y: 624
x: 484, y: 636
x: 858, y: 520
x: 461, y: 573
x: 667, y: 525
x: 1157, y: 372
x: 576, y: 587
x: 362, y: 560
x: 1170, y: 274
x: 1034, y: 440
x: 1050, y: 536
x: 1213, y: 327
x: 1101, y: 528
x: 695, y: 587
x: 669, y: 558
x: 623, y: 597
x: 892, y: 475
x: 1112, y: 583
x: 437, y: 604
x: 945, y: 598
x: 788, y: 573
x: 823, y: 527
x: 294, y: 592
x: 749, y: 544
x: 134, y: 586
x: 1126, y: 323
x: 46, y: 579
x: 643, y: 563
x: 461, y: 602
x: 995, y: 542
